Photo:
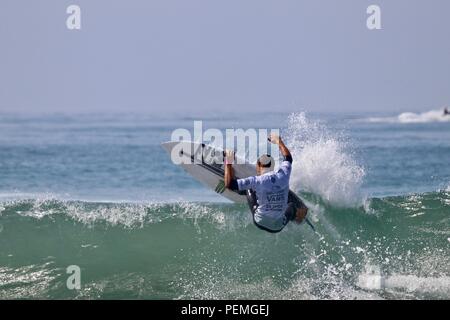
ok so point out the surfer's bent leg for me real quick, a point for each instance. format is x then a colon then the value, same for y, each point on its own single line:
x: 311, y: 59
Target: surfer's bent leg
x: 296, y: 210
x: 290, y: 212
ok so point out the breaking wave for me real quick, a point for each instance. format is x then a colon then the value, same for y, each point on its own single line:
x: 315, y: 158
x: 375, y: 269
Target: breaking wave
x: 410, y: 117
x: 199, y: 250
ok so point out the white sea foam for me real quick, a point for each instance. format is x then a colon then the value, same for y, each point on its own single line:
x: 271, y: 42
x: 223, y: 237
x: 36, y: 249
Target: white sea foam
x: 410, y: 283
x: 129, y: 215
x: 410, y: 117
x: 323, y: 162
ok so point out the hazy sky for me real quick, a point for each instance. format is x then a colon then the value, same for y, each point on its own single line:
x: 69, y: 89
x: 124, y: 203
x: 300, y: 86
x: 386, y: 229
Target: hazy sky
x: 181, y: 55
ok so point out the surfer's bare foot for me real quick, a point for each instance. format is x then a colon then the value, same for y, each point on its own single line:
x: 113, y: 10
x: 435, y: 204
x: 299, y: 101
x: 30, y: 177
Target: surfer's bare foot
x: 301, y: 214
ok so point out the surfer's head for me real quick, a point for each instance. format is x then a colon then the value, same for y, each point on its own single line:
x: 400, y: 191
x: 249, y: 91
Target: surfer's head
x: 264, y: 164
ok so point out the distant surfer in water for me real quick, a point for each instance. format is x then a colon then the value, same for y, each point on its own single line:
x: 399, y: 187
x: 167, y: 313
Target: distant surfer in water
x: 446, y: 112
x: 268, y: 192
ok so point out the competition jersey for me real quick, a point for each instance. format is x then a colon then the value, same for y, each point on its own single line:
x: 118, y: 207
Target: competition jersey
x: 272, y: 191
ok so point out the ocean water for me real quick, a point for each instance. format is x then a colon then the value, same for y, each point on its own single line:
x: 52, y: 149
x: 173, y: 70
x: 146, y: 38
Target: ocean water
x: 97, y: 191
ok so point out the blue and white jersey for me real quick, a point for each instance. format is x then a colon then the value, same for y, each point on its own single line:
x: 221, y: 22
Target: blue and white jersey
x: 272, y: 191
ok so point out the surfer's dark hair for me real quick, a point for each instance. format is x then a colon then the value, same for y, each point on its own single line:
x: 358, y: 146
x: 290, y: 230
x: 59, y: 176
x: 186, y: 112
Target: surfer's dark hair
x: 267, y: 163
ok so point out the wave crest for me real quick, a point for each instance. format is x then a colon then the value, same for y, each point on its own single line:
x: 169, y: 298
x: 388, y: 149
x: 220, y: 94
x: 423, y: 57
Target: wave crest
x: 324, y: 163
x: 410, y: 117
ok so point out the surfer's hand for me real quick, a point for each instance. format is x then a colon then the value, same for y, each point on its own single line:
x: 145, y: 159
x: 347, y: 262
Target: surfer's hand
x: 274, y: 138
x: 229, y: 156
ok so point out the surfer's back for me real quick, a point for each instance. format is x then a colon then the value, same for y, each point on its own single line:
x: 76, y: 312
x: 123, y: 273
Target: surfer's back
x: 272, y: 191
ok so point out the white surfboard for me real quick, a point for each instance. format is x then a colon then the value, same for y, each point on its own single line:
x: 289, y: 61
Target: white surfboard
x: 202, y: 162
x: 205, y: 163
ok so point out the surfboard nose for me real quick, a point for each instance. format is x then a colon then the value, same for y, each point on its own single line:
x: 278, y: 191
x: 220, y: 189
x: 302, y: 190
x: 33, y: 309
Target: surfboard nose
x: 168, y: 145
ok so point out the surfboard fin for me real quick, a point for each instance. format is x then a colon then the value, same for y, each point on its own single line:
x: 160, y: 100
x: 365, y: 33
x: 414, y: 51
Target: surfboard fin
x: 310, y: 224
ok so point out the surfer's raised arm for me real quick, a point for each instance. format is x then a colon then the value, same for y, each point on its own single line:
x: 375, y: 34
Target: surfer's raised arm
x: 230, y: 181
x: 274, y: 138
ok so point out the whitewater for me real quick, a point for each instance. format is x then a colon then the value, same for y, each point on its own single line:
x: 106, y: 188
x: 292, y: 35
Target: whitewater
x: 98, y: 192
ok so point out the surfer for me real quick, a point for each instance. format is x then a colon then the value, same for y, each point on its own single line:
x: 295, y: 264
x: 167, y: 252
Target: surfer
x: 446, y: 112
x: 267, y: 193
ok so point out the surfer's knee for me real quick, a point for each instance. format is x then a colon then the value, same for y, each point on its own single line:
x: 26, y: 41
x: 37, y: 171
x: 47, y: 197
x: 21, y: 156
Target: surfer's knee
x: 301, y: 214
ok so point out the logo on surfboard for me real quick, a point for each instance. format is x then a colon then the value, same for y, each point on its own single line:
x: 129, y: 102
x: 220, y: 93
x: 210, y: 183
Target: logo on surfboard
x: 220, y: 188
